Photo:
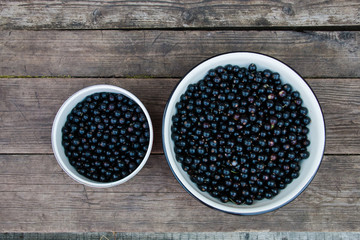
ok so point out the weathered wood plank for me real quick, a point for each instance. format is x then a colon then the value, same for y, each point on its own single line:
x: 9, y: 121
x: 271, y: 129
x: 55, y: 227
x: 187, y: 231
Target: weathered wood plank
x: 170, y: 53
x: 184, y: 236
x: 28, y: 107
x: 330, y: 203
x: 40, y: 173
x: 340, y: 106
x: 21, y: 14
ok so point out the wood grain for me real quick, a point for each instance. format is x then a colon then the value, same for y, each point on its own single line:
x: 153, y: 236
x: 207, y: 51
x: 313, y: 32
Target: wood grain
x: 22, y: 14
x: 29, y: 105
x: 170, y: 53
x: 183, y: 235
x: 52, y: 202
x: 51, y: 49
x: 28, y: 108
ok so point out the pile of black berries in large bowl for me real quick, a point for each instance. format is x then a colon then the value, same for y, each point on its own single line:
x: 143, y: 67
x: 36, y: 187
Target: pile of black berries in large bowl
x: 243, y: 133
x: 102, y: 136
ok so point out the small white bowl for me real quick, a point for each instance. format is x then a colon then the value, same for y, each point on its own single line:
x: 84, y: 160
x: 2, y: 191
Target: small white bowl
x: 316, y: 135
x: 59, y: 122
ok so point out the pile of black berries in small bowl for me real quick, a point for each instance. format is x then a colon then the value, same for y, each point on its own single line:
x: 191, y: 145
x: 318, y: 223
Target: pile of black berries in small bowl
x: 243, y: 133
x: 106, y: 137
x: 240, y: 134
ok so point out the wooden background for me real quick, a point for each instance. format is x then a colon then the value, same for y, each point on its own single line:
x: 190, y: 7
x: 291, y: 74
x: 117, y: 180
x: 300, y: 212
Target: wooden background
x: 51, y: 49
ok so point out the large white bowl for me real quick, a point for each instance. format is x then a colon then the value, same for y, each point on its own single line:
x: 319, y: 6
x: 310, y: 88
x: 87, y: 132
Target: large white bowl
x: 59, y: 122
x: 316, y: 135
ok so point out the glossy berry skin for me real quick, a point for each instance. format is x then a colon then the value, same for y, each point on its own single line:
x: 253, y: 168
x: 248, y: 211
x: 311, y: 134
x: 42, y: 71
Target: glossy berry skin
x: 105, y: 137
x: 241, y: 134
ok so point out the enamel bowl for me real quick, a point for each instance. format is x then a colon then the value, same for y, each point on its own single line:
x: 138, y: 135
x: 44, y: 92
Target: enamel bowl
x: 316, y: 135
x: 59, y: 122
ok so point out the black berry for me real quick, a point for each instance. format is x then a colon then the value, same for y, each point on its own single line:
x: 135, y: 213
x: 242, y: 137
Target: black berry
x: 240, y: 133
x: 98, y: 136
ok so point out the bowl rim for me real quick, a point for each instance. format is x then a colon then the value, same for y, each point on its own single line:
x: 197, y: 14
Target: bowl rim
x: 239, y: 212
x: 56, y: 125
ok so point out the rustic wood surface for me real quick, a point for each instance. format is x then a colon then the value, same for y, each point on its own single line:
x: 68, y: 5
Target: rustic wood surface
x: 184, y: 236
x: 52, y: 202
x: 170, y: 53
x: 65, y: 14
x: 29, y: 105
x: 51, y: 49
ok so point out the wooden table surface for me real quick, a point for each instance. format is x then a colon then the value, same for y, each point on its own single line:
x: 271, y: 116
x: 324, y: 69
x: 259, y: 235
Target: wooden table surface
x: 51, y: 49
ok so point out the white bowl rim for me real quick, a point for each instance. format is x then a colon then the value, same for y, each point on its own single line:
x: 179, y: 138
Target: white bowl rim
x: 235, y: 209
x: 56, y: 148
